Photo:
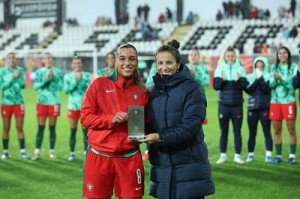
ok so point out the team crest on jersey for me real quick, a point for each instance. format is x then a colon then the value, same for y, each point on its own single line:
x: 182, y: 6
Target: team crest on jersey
x: 90, y: 186
x: 221, y: 116
x: 135, y: 97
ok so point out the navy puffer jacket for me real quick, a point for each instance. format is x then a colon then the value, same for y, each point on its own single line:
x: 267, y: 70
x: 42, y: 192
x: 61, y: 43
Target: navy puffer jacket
x: 230, y: 89
x: 258, y: 87
x: 179, y: 161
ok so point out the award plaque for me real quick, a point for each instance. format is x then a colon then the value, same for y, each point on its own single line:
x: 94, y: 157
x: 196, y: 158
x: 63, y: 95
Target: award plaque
x: 136, y: 122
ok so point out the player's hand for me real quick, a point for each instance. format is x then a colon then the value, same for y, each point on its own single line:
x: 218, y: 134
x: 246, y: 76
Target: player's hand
x: 150, y: 138
x: 237, y: 77
x: 224, y: 75
x: 50, y: 74
x: 78, y: 75
x: 17, y: 74
x: 120, y: 117
x: 277, y: 76
x: 299, y: 66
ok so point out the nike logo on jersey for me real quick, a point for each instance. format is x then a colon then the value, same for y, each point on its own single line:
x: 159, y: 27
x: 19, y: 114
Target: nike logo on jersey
x: 110, y: 91
x: 138, y: 188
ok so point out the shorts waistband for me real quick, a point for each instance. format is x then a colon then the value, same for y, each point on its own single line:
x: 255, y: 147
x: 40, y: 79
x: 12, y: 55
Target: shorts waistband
x: 125, y: 155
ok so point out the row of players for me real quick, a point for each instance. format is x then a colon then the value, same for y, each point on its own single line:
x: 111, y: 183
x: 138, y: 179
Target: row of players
x: 276, y: 85
x: 49, y: 81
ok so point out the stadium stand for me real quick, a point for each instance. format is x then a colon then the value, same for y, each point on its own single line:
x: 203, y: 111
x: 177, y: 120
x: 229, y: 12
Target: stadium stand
x: 211, y: 37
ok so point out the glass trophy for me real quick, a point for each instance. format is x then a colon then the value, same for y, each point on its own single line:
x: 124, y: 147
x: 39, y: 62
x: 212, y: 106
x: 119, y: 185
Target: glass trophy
x: 136, y: 122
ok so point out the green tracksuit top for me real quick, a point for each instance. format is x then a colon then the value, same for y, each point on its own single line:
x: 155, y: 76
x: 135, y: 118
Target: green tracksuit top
x: 283, y: 91
x: 105, y: 72
x: 75, y: 88
x: 201, y: 74
x: 48, y: 89
x: 12, y: 87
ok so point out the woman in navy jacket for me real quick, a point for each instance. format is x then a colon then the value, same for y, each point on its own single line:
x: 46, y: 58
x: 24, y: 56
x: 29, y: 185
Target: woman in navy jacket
x: 258, y: 106
x: 178, y: 153
x: 230, y: 81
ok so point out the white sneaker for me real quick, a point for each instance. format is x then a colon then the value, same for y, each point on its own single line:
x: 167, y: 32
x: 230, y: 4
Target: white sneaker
x: 4, y: 156
x: 250, y: 158
x: 24, y: 155
x: 52, y: 155
x: 36, y: 156
x: 221, y: 160
x: 268, y: 159
x: 71, y: 157
x: 238, y: 160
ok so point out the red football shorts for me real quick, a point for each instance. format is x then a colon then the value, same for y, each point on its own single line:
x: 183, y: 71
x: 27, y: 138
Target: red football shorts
x: 102, y: 175
x: 74, y: 114
x: 283, y: 111
x: 7, y: 110
x: 48, y: 110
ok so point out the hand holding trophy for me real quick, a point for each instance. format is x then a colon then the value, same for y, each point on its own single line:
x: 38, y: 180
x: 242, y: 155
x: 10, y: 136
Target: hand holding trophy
x: 136, y: 123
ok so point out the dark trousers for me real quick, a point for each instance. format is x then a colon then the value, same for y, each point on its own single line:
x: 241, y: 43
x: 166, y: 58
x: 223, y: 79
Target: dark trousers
x: 235, y: 114
x: 254, y: 116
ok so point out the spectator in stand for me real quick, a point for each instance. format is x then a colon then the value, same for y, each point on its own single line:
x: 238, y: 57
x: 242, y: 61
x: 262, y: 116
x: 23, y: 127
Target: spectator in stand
x: 237, y: 9
x: 225, y: 8
x: 230, y: 9
x: 245, y: 8
x: 169, y: 14
x: 110, y: 60
x: 139, y: 12
x: 281, y: 12
x: 190, y: 18
x: 285, y: 32
x: 293, y: 6
x: 267, y: 14
x: 283, y: 102
x: 254, y: 13
x: 230, y: 81
x: 161, y: 18
x: 12, y: 81
x: 258, y: 107
x: 294, y: 32
x: 146, y: 12
x: 219, y: 15
x: 48, y: 82
x: 261, y: 14
x: 75, y: 85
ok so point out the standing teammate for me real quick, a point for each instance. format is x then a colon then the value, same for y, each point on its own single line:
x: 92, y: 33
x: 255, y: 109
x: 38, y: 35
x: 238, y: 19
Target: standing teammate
x: 12, y: 81
x: 283, y: 102
x: 230, y: 81
x: 258, y: 106
x: 48, y: 82
x: 199, y: 71
x: 110, y: 60
x: 75, y: 85
x: 113, y: 163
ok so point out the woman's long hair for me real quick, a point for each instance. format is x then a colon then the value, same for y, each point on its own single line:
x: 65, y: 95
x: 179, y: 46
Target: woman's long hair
x: 289, y: 61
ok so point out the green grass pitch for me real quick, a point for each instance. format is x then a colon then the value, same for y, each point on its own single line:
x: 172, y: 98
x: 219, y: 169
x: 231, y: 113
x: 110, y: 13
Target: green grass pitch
x: 60, y: 178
